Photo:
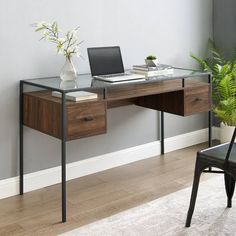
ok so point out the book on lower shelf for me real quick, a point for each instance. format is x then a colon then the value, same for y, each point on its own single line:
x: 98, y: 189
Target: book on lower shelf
x: 76, y: 96
x: 161, y: 69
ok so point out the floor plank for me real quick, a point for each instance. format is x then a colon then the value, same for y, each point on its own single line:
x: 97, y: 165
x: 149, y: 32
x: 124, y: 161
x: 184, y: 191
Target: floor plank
x: 100, y: 195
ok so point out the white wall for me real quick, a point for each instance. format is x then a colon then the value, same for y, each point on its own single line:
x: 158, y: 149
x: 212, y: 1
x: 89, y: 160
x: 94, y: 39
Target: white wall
x: 170, y: 29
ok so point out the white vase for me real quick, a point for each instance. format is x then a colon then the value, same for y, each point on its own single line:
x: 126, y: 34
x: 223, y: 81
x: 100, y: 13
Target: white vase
x: 226, y: 132
x: 68, y: 72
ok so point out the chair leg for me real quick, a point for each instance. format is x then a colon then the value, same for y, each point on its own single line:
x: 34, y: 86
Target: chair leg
x: 229, y: 187
x: 196, y: 180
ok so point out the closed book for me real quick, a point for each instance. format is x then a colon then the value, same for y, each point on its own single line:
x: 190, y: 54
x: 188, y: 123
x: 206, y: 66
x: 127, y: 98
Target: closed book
x: 151, y: 68
x: 76, y: 96
x: 154, y: 73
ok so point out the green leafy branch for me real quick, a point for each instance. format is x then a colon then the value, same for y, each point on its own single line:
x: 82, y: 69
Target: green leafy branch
x: 67, y: 44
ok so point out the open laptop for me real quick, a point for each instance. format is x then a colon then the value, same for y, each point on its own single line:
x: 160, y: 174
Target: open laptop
x: 106, y: 64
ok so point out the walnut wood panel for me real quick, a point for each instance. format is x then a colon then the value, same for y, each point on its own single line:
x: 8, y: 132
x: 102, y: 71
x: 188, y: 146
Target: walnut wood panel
x: 172, y: 102
x: 122, y: 102
x: 194, y: 98
x: 137, y: 90
x: 41, y: 115
x: 87, y: 119
x: 43, y: 112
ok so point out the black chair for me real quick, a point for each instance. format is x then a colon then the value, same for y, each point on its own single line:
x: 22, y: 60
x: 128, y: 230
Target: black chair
x: 221, y: 156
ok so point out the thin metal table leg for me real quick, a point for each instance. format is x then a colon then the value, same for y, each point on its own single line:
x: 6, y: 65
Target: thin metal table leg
x: 210, y: 118
x: 21, y: 139
x: 63, y: 156
x: 210, y: 114
x: 162, y: 134
x: 209, y: 128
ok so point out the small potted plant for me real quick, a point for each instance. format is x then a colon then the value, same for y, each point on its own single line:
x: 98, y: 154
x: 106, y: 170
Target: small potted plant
x: 224, y: 89
x: 151, y: 60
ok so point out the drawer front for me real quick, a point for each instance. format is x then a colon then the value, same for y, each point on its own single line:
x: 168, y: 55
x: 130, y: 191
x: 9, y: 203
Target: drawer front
x: 86, y: 119
x: 197, y: 100
x: 138, y: 90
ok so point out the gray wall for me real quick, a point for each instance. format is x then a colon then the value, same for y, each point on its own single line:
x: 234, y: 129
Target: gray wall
x: 170, y: 29
x: 224, y: 22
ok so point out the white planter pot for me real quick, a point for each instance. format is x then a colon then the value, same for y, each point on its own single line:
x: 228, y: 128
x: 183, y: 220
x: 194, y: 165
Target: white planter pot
x: 226, y: 132
x: 151, y: 63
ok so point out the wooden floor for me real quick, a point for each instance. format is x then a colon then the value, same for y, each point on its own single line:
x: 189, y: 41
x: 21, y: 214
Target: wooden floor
x: 99, y: 195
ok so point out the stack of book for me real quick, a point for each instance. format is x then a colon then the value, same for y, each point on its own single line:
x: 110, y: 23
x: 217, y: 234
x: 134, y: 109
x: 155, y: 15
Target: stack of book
x: 76, y: 96
x: 149, y: 71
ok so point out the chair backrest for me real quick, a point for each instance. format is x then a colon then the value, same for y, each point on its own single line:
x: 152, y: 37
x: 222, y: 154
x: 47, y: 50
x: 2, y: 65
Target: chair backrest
x: 230, y: 146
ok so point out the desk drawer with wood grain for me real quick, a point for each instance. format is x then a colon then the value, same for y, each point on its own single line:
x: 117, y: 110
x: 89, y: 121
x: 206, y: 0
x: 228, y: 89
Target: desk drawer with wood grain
x: 42, y: 112
x: 196, y: 99
x: 188, y: 101
x: 86, y: 119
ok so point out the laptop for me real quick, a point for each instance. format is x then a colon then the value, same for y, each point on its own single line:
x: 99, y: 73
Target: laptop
x: 106, y: 64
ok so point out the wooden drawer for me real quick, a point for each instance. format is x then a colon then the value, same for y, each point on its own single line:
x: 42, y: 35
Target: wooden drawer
x: 187, y: 101
x: 43, y: 113
x: 196, y: 99
x: 86, y: 119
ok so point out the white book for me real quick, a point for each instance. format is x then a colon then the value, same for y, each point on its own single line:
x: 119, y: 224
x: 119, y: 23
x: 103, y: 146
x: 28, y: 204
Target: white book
x: 152, y: 68
x: 154, y: 73
x: 76, y: 96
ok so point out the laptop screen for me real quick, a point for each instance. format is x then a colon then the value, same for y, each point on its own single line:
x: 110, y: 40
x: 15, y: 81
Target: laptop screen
x: 105, y: 60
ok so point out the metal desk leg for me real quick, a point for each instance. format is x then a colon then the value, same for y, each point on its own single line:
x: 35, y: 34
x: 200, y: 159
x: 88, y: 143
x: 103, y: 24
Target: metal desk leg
x: 21, y: 137
x: 63, y: 156
x: 210, y: 114
x: 210, y: 117
x: 209, y: 128
x: 162, y: 133
x: 210, y: 132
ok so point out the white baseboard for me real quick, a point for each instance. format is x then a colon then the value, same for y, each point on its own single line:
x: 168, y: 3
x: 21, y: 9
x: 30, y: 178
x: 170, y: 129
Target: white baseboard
x: 40, y: 179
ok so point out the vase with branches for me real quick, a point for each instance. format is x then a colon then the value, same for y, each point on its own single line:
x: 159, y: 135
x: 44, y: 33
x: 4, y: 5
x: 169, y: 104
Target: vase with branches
x: 67, y: 44
x: 224, y: 87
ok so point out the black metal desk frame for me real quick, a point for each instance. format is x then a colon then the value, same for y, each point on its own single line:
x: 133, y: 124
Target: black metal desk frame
x: 64, y: 134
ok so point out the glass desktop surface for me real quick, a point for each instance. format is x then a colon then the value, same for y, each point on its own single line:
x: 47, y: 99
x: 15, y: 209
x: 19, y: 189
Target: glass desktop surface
x: 86, y: 81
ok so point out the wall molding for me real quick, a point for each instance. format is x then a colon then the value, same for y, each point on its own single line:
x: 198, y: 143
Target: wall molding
x: 40, y: 179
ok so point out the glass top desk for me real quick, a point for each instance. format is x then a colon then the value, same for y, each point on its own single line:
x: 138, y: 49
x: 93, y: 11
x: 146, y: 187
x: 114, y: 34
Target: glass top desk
x: 86, y: 81
x: 181, y: 93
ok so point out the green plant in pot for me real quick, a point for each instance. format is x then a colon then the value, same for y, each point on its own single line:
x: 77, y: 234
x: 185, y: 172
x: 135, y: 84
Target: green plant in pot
x: 151, y: 60
x: 224, y: 88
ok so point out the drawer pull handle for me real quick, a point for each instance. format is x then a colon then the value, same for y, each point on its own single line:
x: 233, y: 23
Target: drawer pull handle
x: 88, y: 118
x: 197, y: 99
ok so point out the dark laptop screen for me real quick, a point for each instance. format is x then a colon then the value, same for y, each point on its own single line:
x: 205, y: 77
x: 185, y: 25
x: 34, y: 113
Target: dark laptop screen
x: 105, y: 60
